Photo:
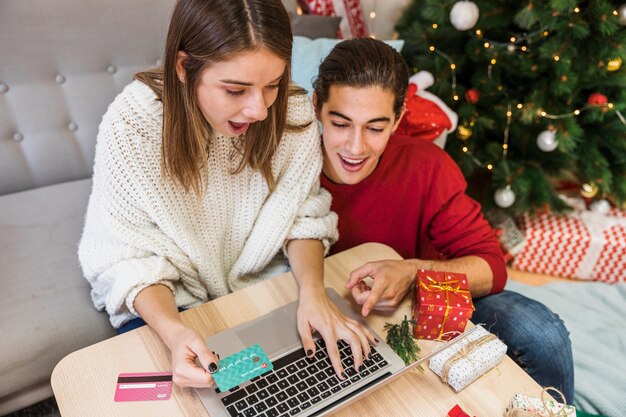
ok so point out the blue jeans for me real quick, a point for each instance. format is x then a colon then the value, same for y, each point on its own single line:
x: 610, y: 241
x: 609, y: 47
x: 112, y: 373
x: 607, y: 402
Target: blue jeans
x: 135, y: 323
x: 537, y: 338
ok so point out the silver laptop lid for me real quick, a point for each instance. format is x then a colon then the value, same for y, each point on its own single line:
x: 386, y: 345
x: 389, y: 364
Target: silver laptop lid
x: 277, y: 333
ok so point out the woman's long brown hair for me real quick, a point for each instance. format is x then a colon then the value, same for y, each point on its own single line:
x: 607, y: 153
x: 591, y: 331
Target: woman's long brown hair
x: 210, y: 31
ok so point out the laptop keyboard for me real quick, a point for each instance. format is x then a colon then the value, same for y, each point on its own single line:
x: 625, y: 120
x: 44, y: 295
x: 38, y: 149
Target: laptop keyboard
x: 297, y: 383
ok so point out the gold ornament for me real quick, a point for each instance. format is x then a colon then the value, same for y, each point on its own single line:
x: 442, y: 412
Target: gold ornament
x: 614, y: 64
x: 463, y: 132
x: 589, y: 190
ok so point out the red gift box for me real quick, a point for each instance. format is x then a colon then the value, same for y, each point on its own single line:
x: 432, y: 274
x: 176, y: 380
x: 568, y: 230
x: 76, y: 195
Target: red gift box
x: 442, y: 305
x: 582, y: 245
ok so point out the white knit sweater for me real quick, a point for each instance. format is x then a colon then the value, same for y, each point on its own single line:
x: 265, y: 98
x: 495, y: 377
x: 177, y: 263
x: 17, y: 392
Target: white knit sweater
x: 141, y: 229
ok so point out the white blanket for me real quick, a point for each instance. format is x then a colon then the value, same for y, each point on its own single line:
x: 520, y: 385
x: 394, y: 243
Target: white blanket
x: 595, y: 315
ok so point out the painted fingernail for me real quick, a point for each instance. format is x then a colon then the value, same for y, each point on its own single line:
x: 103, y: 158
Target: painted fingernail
x: 376, y: 340
x: 362, y: 367
x: 212, y: 367
x: 309, y: 352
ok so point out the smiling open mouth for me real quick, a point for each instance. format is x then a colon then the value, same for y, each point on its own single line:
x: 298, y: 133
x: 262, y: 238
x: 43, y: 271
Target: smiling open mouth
x: 352, y: 162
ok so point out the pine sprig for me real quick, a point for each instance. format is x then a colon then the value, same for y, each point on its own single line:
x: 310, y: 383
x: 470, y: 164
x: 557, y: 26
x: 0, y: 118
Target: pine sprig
x: 400, y: 339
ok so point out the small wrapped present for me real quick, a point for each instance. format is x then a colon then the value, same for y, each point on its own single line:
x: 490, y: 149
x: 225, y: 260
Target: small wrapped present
x: 465, y: 361
x: 457, y: 411
x: 442, y: 305
x: 583, y: 244
x: 525, y: 406
x: 511, y: 238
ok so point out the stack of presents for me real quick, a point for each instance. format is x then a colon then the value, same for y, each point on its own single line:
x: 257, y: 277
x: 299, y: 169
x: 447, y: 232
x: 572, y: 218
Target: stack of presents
x: 442, y: 306
x: 587, y: 243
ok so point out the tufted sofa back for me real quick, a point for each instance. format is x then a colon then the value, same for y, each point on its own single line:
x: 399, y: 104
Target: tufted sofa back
x: 61, y: 64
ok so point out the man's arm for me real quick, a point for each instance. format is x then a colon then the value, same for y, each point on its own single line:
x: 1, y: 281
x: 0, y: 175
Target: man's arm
x: 478, y: 271
x: 393, y: 279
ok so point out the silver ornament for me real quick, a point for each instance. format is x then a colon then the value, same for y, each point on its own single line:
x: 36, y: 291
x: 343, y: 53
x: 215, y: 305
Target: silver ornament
x: 546, y: 141
x: 621, y: 13
x: 600, y: 206
x: 464, y: 15
x: 504, y: 197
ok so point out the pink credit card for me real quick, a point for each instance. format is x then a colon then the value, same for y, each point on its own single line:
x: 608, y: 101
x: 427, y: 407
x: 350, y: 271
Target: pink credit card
x: 146, y: 386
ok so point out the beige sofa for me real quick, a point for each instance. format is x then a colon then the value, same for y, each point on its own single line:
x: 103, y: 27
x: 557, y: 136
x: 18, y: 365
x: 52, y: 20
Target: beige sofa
x: 61, y: 64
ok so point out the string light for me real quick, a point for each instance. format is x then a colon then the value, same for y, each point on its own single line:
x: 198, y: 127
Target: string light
x: 576, y: 10
x: 372, y: 15
x: 515, y: 42
x: 577, y: 112
x: 507, y: 128
x: 432, y: 48
x: 556, y: 58
x: 435, y: 26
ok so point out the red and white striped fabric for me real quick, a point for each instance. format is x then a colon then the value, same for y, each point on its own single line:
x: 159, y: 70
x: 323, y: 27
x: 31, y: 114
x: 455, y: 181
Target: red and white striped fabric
x: 352, y: 24
x: 611, y: 265
x: 583, y: 245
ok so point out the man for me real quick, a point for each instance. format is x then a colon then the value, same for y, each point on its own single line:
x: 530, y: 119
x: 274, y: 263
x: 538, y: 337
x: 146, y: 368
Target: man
x: 409, y: 194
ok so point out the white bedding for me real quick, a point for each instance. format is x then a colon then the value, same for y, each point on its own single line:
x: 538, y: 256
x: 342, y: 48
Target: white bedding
x: 595, y: 315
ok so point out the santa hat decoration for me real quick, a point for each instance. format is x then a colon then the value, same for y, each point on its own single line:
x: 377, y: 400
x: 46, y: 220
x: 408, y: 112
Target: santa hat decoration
x: 427, y: 116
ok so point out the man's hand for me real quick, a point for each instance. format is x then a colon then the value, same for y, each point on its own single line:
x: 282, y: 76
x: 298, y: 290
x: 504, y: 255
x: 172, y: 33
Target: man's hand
x: 316, y: 312
x: 392, y: 279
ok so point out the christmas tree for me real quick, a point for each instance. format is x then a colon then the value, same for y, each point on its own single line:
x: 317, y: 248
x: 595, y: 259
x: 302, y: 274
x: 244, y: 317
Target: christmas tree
x: 539, y: 88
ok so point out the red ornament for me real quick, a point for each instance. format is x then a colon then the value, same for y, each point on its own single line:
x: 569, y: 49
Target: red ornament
x: 597, y: 99
x: 472, y: 95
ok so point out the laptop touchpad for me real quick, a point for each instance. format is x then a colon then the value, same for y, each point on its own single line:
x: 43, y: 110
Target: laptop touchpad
x: 274, y: 332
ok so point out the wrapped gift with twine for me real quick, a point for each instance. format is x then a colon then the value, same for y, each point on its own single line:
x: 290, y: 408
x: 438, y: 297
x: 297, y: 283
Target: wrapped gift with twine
x: 442, y: 305
x: 524, y: 406
x: 464, y: 362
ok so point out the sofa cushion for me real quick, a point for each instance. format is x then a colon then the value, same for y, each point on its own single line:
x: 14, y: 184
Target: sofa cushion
x: 45, y: 307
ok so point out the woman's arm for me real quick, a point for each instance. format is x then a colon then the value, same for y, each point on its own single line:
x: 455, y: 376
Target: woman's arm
x: 316, y: 312
x: 158, y: 309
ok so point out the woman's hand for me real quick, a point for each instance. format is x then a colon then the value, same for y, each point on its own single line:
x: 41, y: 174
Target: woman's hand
x: 157, y: 307
x: 316, y: 312
x: 392, y: 280
x: 186, y: 346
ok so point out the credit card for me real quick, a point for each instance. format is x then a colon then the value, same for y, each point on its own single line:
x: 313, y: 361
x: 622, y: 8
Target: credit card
x: 241, y: 367
x: 145, y: 386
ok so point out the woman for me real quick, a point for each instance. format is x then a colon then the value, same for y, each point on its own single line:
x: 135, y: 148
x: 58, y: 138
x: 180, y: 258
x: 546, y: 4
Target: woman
x: 206, y: 180
x: 409, y: 194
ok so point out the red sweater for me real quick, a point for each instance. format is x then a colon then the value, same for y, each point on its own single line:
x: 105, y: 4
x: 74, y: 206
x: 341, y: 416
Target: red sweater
x: 415, y: 202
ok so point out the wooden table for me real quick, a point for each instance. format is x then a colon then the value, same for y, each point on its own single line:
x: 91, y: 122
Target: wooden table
x: 84, y: 381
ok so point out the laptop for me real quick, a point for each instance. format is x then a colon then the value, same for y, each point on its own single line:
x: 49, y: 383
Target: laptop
x: 296, y: 386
